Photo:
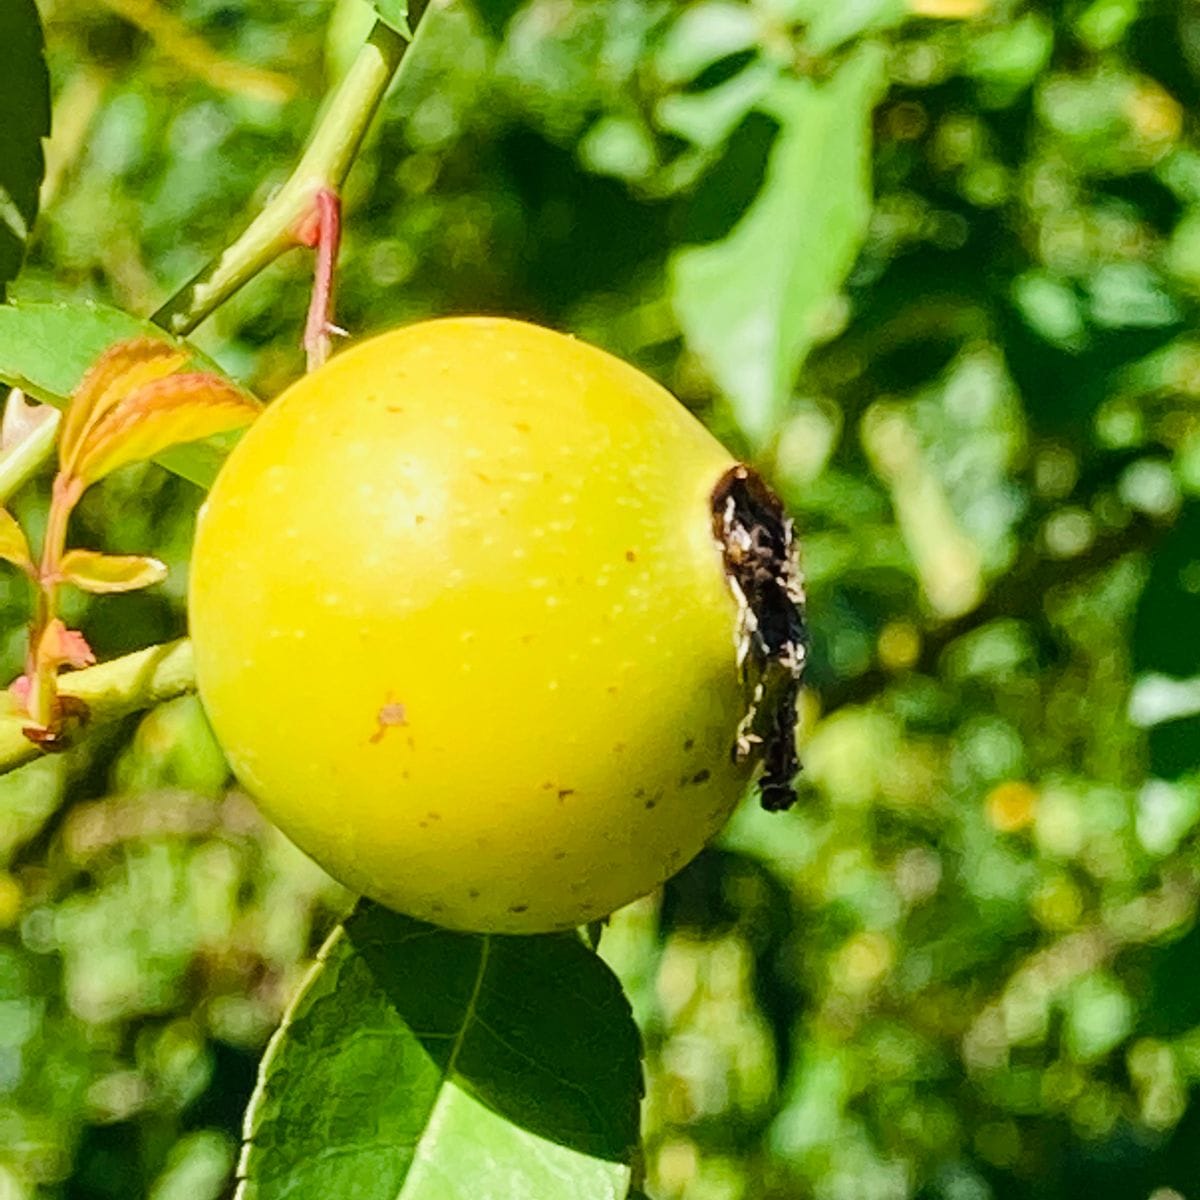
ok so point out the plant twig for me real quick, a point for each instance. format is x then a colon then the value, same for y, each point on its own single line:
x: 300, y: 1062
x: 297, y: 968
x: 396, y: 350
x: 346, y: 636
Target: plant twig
x: 324, y: 164
x: 111, y: 690
x: 326, y: 238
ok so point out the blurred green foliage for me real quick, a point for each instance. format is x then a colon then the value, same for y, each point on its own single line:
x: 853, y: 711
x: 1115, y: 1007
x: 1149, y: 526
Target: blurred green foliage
x: 967, y: 966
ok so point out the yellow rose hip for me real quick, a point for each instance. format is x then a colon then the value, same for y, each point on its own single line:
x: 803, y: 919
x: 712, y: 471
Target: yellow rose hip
x: 463, y: 626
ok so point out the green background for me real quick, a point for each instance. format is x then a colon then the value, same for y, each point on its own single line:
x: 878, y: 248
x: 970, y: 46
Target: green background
x: 967, y: 965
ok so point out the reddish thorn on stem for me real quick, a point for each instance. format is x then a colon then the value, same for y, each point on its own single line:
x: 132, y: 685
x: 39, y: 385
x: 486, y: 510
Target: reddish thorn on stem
x: 322, y: 230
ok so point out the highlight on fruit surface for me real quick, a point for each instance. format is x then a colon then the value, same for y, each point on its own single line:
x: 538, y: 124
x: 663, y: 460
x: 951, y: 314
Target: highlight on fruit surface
x: 493, y: 627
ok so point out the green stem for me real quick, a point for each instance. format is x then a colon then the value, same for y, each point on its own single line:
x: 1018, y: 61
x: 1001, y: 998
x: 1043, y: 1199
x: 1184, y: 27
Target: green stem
x: 324, y: 164
x: 111, y: 690
x: 43, y: 671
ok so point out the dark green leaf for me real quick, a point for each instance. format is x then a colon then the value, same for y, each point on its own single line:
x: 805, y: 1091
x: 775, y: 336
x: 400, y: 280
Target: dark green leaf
x: 448, y: 1066
x: 45, y: 349
x: 24, y: 121
x: 1166, y: 634
x: 753, y: 304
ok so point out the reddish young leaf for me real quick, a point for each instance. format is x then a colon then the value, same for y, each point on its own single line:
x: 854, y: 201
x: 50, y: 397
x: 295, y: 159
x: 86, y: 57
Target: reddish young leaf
x: 91, y: 571
x: 120, y: 370
x: 17, y: 693
x: 159, y: 415
x: 64, y: 647
x: 13, y: 546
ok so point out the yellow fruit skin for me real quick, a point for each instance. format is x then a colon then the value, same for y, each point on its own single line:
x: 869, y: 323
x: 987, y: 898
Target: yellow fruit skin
x: 462, y: 629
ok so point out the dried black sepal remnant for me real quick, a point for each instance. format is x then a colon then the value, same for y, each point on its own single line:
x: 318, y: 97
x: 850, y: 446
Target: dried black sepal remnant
x: 755, y: 536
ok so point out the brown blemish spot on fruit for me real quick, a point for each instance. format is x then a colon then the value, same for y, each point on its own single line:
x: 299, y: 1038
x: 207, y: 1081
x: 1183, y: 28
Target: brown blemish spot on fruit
x: 651, y: 803
x: 526, y: 639
x: 483, y: 478
x: 689, y: 744
x: 419, y: 519
x: 437, y: 907
x: 755, y: 537
x: 612, y: 689
x: 473, y: 893
x: 433, y: 816
x: 563, y: 793
x: 516, y: 909
x: 388, y: 717
x: 701, y: 776
x: 559, y: 855
x: 618, y: 747
x: 630, y: 556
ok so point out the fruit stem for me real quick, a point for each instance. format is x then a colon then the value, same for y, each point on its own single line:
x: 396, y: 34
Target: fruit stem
x: 325, y: 163
x: 326, y: 237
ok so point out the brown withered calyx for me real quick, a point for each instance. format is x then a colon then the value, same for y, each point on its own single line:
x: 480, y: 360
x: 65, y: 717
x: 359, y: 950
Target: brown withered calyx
x: 761, y: 564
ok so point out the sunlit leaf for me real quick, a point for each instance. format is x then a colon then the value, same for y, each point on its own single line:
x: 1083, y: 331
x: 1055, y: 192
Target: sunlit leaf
x: 46, y: 349
x: 13, y: 546
x: 395, y: 14
x: 448, y: 1066
x: 25, y: 106
x: 703, y: 34
x: 752, y: 305
x: 169, y: 412
x: 91, y: 571
x: 118, y: 372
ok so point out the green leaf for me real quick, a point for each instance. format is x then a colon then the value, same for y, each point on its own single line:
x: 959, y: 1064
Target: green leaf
x: 24, y: 121
x: 47, y: 348
x: 447, y: 1066
x: 1166, y: 630
x: 752, y: 305
x: 828, y: 26
x: 13, y: 546
x: 91, y: 571
x: 704, y: 34
x: 395, y: 14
